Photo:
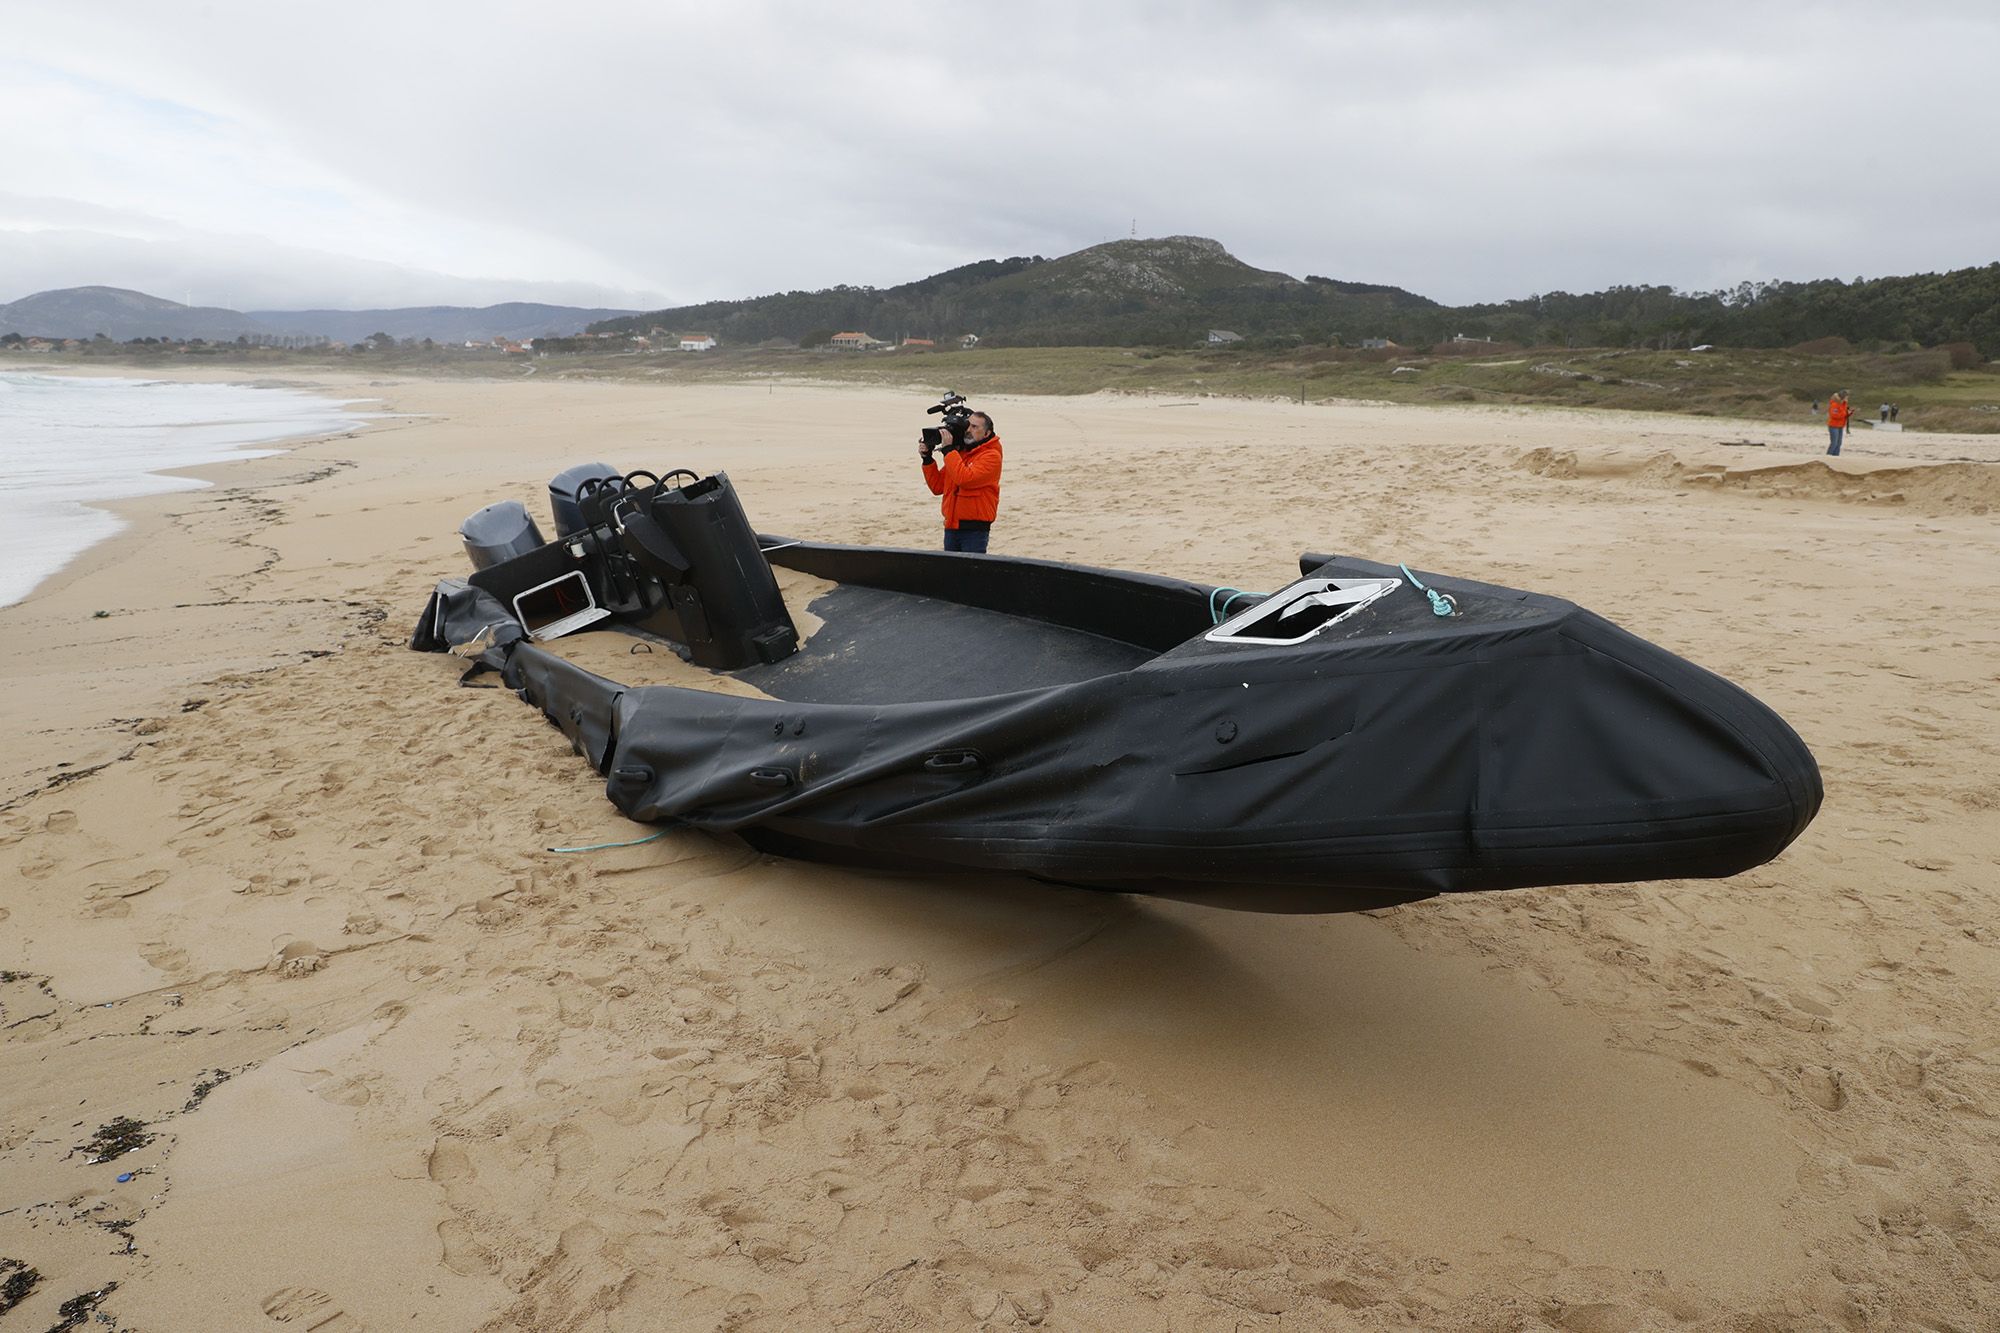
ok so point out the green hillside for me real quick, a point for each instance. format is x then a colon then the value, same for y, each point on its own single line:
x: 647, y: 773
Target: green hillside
x: 1169, y: 291
x: 1165, y: 291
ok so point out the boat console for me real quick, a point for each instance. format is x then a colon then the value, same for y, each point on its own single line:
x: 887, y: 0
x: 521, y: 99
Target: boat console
x: 674, y: 556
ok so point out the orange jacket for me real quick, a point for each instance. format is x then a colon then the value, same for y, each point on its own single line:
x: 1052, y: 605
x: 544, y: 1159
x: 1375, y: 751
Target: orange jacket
x: 969, y: 481
x: 1837, y: 412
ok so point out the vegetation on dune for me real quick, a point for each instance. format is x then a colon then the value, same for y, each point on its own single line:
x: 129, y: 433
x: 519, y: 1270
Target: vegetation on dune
x: 1787, y: 385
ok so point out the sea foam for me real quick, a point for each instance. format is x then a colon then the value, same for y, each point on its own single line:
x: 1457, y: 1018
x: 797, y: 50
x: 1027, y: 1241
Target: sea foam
x: 67, y: 444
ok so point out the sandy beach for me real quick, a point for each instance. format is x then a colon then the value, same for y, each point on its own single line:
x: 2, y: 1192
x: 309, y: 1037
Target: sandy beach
x: 276, y: 889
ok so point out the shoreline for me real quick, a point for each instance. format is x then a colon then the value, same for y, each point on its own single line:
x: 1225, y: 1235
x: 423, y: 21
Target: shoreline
x: 354, y: 998
x: 145, y: 521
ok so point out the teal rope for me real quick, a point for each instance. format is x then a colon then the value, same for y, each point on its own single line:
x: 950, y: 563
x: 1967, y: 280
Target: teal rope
x: 1216, y: 615
x: 1442, y: 603
x: 601, y: 846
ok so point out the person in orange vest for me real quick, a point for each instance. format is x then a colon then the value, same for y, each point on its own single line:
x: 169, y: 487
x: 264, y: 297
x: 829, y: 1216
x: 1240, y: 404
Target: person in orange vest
x: 969, y: 481
x: 1838, y: 414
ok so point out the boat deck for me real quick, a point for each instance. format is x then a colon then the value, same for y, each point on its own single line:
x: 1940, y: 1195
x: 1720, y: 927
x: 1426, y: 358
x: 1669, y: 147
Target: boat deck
x: 865, y: 645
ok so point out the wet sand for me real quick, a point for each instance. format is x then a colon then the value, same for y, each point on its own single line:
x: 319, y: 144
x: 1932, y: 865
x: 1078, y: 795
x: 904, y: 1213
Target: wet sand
x: 278, y: 889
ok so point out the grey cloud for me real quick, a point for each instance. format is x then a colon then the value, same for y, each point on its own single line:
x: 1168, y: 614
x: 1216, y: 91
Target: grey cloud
x: 1465, y: 151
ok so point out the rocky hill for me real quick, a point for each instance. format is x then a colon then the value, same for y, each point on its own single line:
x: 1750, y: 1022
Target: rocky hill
x: 121, y: 315
x: 1168, y: 289
x: 118, y: 314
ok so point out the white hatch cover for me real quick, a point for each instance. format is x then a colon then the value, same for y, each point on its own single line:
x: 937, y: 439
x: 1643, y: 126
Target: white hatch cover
x: 1296, y: 613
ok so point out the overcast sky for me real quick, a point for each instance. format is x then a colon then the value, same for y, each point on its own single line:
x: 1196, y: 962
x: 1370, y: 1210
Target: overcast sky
x: 351, y: 154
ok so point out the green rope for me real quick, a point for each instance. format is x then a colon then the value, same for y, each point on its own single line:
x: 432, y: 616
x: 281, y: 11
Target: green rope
x: 1442, y: 603
x: 601, y: 846
x: 1215, y: 614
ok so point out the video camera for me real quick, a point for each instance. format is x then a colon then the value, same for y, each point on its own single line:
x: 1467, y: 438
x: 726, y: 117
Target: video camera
x: 956, y: 414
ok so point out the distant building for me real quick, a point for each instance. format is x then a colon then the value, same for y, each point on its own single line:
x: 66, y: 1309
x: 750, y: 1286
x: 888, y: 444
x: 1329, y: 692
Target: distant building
x: 1217, y: 337
x: 919, y: 342
x: 1377, y: 345
x: 697, y: 342
x: 852, y: 341
x: 642, y: 342
x: 969, y: 340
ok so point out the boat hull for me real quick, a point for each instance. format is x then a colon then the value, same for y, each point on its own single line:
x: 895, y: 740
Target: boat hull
x: 1521, y: 741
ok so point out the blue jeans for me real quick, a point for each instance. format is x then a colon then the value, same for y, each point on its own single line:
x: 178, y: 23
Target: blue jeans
x: 1836, y: 432
x: 967, y: 539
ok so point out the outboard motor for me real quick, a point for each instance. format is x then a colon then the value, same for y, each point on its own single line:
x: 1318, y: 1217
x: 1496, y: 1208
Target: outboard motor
x: 722, y: 600
x: 498, y: 533
x: 563, y: 494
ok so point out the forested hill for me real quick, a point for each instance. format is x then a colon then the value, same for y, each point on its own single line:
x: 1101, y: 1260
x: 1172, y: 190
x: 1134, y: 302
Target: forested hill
x: 1929, y: 309
x: 1171, y: 291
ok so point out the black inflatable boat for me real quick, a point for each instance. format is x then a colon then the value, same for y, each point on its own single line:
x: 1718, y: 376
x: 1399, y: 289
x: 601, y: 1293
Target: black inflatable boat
x: 1363, y: 733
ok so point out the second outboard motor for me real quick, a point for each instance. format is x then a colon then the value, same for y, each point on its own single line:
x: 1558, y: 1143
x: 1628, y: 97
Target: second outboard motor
x: 499, y: 532
x: 722, y: 600
x: 563, y: 494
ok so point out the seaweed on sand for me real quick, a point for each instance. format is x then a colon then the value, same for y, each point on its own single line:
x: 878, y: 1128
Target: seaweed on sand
x: 76, y: 1310
x: 16, y: 1281
x: 115, y: 1138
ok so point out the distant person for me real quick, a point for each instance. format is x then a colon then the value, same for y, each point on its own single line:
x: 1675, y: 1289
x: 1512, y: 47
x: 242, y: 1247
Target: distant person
x: 1895, y: 410
x: 1838, y: 414
x: 969, y: 481
x: 1885, y: 411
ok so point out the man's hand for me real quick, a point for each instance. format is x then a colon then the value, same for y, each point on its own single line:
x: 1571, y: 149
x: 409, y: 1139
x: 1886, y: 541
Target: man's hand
x: 924, y: 453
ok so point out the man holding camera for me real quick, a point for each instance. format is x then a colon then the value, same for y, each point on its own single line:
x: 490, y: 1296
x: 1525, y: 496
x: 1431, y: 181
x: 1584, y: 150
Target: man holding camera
x: 968, y: 478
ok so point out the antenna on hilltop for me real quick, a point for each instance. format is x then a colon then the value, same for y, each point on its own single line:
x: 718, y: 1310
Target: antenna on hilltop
x: 1135, y: 229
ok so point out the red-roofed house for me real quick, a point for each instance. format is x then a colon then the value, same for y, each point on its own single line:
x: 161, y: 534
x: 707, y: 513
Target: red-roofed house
x: 697, y: 342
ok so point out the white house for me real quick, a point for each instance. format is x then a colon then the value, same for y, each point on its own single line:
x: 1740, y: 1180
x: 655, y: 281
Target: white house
x: 1217, y: 337
x: 697, y: 342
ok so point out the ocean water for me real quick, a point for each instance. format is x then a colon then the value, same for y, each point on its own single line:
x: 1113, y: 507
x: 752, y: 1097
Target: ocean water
x: 68, y: 444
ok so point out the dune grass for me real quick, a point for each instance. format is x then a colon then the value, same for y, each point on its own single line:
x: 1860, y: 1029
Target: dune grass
x: 1766, y: 385
x: 1732, y: 382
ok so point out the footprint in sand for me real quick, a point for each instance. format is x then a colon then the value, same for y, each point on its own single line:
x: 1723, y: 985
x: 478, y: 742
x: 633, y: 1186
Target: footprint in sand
x: 580, y: 1240
x: 448, y: 1165
x: 339, y: 1089
x: 140, y: 884
x: 1823, y: 1087
x: 575, y: 1151
x: 297, y: 959
x: 163, y: 956
x: 463, y: 1254
x: 309, y: 1309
